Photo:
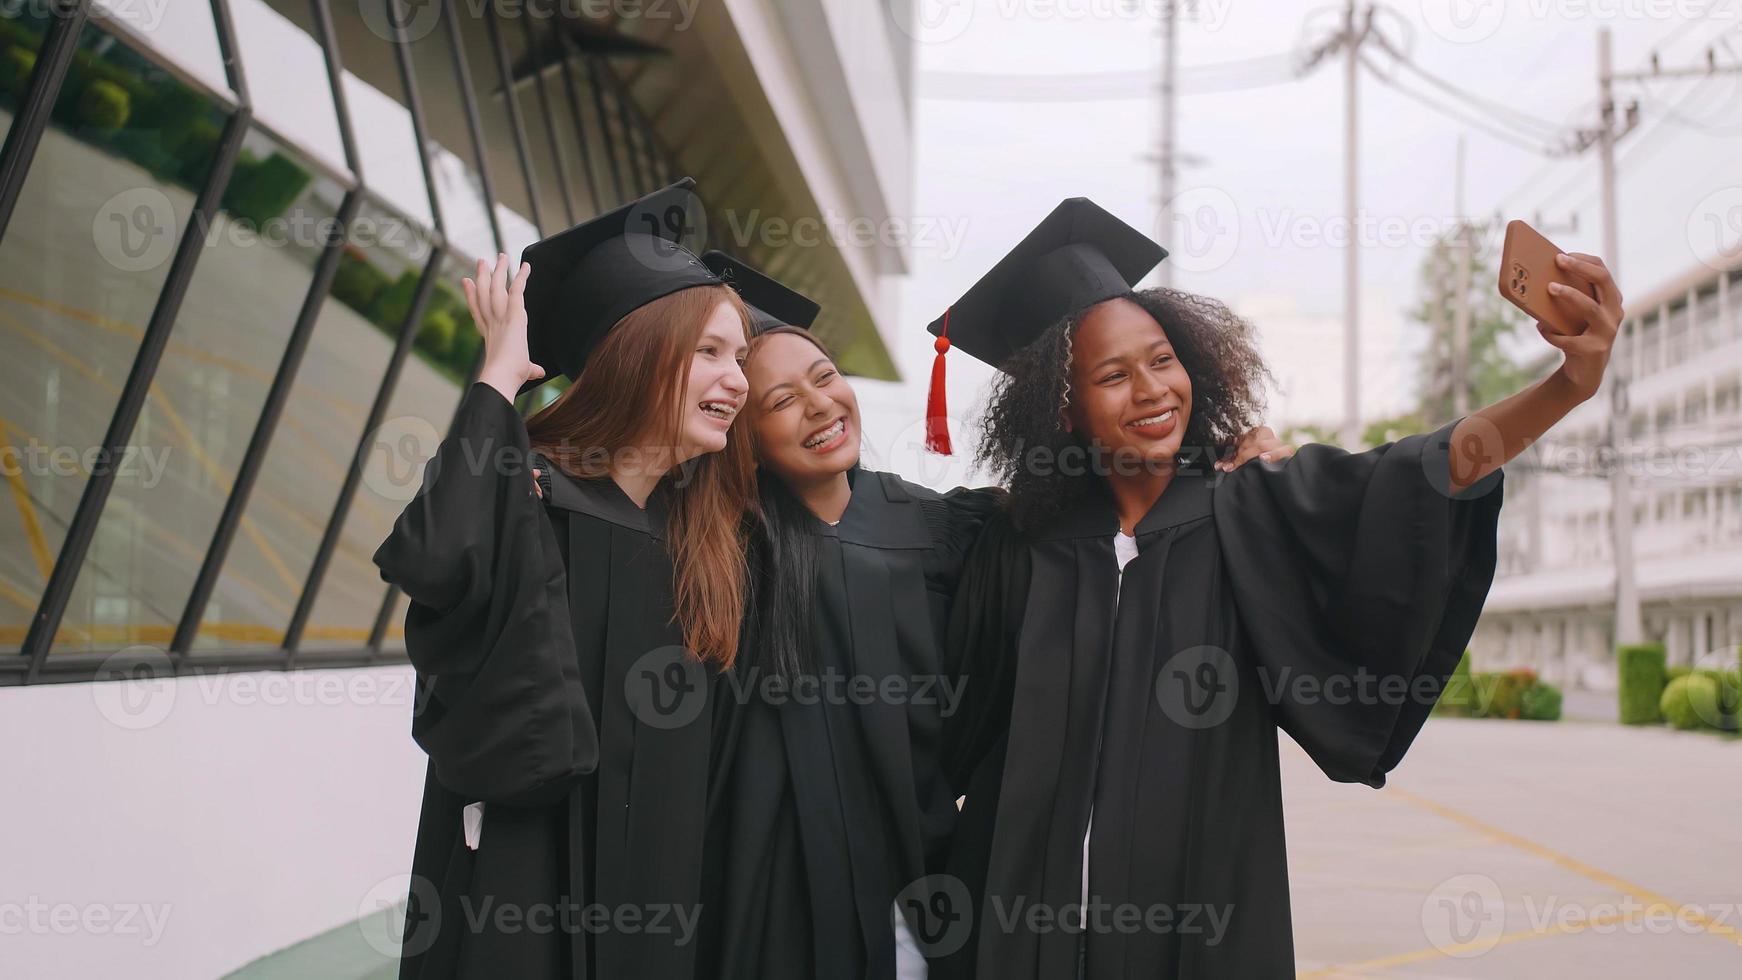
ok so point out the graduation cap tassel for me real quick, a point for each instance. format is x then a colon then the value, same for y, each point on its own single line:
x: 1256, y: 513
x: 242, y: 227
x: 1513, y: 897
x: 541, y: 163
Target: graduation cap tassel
x: 937, y: 421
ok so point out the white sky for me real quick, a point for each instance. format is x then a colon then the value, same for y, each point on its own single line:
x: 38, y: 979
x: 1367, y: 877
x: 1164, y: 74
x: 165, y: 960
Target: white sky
x: 1272, y: 159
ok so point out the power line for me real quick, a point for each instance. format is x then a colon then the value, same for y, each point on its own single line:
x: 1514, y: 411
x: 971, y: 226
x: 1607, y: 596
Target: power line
x: 1527, y: 123
x: 1452, y: 113
x: 1225, y: 76
x: 1643, y: 145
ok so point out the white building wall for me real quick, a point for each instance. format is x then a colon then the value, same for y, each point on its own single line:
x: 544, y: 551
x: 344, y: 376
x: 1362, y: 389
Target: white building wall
x: 178, y: 829
x: 1685, y: 346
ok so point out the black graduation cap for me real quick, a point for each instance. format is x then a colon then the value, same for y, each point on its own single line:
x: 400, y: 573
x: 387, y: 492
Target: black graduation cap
x: 1079, y: 255
x: 584, y: 280
x: 771, y: 303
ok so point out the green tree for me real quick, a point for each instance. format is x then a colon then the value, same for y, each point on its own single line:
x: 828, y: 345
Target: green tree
x: 1492, y: 373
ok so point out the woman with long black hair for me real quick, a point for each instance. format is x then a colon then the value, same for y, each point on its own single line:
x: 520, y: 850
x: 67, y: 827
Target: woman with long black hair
x: 563, y: 809
x: 1139, y: 626
x: 833, y: 807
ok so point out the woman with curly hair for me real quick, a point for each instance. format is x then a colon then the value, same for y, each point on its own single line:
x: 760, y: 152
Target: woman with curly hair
x: 831, y: 799
x: 1138, y: 625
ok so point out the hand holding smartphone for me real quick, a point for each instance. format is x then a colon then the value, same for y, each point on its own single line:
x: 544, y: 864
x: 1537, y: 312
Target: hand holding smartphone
x: 1527, y: 266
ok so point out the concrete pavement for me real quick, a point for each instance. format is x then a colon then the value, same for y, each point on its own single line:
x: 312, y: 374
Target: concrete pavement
x: 1523, y: 849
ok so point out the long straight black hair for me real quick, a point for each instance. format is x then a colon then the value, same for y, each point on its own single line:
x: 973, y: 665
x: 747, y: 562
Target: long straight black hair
x: 783, y: 563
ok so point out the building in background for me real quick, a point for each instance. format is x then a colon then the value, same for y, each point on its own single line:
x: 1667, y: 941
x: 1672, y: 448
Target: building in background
x: 1552, y: 604
x: 231, y: 238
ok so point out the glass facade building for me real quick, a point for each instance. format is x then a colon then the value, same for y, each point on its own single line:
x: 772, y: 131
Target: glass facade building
x: 231, y: 238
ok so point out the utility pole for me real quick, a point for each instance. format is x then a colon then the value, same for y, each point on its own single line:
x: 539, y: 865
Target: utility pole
x: 1352, y: 257
x: 1461, y: 300
x: 1169, y: 98
x: 1348, y: 40
x: 1628, y: 627
x: 1442, y: 300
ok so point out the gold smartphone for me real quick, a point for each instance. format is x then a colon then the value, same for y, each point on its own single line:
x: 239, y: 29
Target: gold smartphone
x: 1527, y: 266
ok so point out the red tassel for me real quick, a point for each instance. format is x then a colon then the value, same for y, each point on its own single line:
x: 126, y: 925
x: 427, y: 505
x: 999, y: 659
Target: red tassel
x: 937, y: 422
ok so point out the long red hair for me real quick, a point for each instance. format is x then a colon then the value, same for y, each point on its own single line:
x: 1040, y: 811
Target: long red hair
x: 631, y: 394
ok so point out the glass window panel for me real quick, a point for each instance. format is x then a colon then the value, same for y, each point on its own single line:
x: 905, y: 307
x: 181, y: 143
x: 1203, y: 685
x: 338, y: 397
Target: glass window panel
x: 323, y: 421
x: 465, y: 217
x: 607, y: 132
x: 183, y: 32
x: 375, y: 93
x: 81, y: 267
x: 509, y: 179
x: 205, y: 399
x: 287, y: 79
x: 20, y: 39
x: 417, y: 417
x: 534, y: 90
x: 567, y: 83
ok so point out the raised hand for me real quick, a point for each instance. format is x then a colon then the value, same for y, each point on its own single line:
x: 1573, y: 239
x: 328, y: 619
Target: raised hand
x: 1587, y: 352
x: 1261, y: 443
x: 498, y: 309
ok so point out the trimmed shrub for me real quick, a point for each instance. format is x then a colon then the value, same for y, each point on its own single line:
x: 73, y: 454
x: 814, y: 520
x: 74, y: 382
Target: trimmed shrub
x: 1690, y: 701
x: 15, y: 68
x: 446, y: 297
x: 1729, y: 687
x: 1540, y: 702
x: 1507, y: 693
x: 357, y: 283
x: 105, y: 106
x: 1517, y: 693
x: 261, y: 190
x: 467, y: 340
x: 1642, y: 683
x: 436, y: 336
x: 1459, y: 692
x: 18, y: 31
x: 393, y: 304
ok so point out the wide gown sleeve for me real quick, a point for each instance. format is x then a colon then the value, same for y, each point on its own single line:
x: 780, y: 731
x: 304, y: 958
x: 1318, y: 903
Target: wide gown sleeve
x: 1358, y: 578
x: 980, y: 646
x: 500, y: 710
x: 955, y: 520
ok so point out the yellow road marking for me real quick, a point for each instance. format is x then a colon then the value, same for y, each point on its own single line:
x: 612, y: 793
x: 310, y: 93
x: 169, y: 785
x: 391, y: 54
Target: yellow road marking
x: 27, y: 511
x: 1403, y: 959
x: 1652, y: 902
x: 44, y: 556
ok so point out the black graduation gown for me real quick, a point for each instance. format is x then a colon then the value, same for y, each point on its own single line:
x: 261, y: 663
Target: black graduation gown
x: 1261, y: 599
x: 531, y: 626
x: 832, y: 798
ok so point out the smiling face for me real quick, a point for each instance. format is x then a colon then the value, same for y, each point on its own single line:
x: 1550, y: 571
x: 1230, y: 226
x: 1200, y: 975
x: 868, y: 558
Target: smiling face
x: 717, y: 388
x: 803, y: 414
x: 1129, y: 392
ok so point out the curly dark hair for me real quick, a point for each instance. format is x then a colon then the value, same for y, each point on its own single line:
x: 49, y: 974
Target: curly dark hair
x: 1025, y: 445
